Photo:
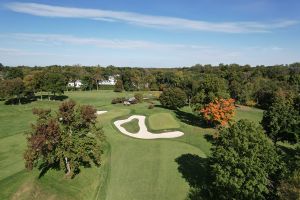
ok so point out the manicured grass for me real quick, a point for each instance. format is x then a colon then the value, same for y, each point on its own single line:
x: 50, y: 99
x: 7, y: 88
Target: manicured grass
x: 162, y: 121
x: 132, y: 126
x: 131, y: 168
x: 252, y: 114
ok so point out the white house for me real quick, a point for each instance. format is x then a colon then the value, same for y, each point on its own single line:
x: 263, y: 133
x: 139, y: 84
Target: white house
x: 110, y: 81
x: 77, y: 83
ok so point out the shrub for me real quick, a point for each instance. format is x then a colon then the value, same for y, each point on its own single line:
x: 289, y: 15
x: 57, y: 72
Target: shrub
x: 135, y: 101
x: 151, y: 106
x: 118, y: 100
x: 138, y: 97
x: 250, y: 103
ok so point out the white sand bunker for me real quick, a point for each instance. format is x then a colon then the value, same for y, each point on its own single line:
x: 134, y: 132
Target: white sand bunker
x: 143, y: 132
x: 100, y: 112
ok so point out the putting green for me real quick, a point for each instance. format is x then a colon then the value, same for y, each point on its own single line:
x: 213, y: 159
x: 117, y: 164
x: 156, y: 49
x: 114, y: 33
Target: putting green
x: 161, y: 121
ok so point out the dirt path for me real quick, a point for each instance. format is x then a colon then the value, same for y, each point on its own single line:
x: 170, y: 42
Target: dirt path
x: 143, y: 132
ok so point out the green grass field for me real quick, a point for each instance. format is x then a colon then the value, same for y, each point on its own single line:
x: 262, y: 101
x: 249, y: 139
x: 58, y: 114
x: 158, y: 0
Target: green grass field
x: 162, y: 121
x: 132, y: 126
x: 131, y: 168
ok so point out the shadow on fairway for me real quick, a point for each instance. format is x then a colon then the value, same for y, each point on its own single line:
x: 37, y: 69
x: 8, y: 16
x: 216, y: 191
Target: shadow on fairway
x: 27, y: 100
x: 16, y: 101
x: 44, y: 168
x: 191, y: 119
x: 194, y: 170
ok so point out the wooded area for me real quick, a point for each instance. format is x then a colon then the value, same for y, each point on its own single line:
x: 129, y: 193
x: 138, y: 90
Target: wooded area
x: 252, y: 86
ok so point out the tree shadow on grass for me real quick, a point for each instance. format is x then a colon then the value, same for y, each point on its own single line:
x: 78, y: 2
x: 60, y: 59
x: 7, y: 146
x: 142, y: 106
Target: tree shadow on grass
x: 27, y: 100
x: 191, y: 119
x: 22, y: 100
x: 194, y: 170
x: 44, y: 168
x: 209, y: 138
x: 55, y: 98
x: 160, y: 106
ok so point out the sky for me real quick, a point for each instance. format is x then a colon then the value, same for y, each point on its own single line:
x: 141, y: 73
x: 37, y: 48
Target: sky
x: 156, y: 33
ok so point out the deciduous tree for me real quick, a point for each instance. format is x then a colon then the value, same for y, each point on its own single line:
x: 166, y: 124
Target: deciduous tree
x: 66, y: 141
x: 242, y: 162
x: 219, y: 112
x: 280, y: 121
x: 173, y: 98
x: 119, y: 86
x: 54, y: 83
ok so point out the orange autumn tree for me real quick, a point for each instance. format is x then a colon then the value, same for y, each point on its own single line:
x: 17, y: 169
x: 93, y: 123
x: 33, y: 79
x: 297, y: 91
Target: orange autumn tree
x: 219, y: 112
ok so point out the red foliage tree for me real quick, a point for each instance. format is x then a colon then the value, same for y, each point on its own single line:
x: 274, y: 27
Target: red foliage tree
x: 219, y: 112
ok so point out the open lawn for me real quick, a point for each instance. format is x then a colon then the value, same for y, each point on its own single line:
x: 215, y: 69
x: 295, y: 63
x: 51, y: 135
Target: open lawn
x: 132, y: 126
x: 131, y: 168
x: 162, y: 121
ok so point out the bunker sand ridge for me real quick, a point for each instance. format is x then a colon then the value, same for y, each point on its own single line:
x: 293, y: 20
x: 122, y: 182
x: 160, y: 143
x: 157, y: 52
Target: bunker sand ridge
x: 143, y: 133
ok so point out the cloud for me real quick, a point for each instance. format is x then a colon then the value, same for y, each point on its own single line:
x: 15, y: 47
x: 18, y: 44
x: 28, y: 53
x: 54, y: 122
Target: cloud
x: 59, y: 39
x: 147, y: 20
x: 21, y: 52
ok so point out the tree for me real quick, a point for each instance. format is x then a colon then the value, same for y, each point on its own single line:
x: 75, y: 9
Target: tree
x: 14, y: 72
x: 87, y: 82
x: 39, y: 82
x: 209, y: 88
x: 54, y: 83
x: 280, y: 122
x: 189, y: 86
x: 119, y: 86
x: 12, y: 88
x: 219, y: 112
x: 17, y: 88
x: 97, y: 76
x: 242, y: 162
x: 173, y: 98
x: 29, y: 84
x: 66, y: 141
x: 265, y: 92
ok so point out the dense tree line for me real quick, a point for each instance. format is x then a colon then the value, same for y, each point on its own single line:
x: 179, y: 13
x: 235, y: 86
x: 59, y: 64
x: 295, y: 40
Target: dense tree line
x: 253, y: 86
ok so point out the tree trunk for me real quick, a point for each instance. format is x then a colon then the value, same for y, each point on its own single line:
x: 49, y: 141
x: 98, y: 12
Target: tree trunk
x: 41, y: 96
x: 68, y: 166
x: 74, y: 86
x: 49, y: 96
x: 19, y: 99
x: 97, y: 84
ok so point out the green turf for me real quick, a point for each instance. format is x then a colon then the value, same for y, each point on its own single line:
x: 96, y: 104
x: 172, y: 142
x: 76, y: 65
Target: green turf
x: 162, y: 121
x: 132, y: 126
x: 253, y: 114
x: 131, y: 168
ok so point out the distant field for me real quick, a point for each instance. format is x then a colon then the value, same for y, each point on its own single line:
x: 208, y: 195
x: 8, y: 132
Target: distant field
x: 131, y: 168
